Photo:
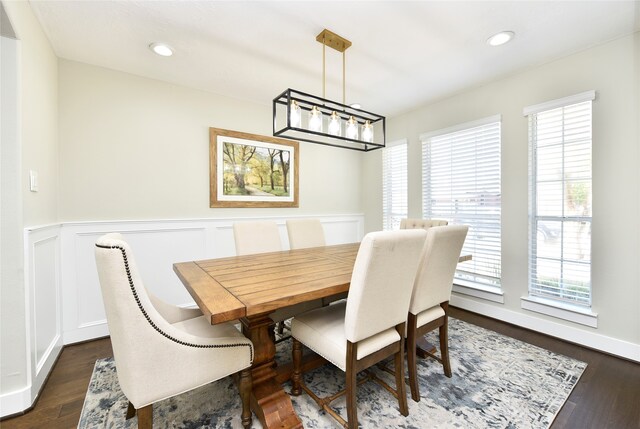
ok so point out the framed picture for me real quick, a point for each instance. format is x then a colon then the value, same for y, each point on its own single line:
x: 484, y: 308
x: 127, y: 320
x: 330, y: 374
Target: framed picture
x: 247, y: 170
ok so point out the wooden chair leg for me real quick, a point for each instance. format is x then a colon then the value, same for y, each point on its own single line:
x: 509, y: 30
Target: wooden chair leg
x: 399, y: 363
x: 296, y: 377
x: 443, y: 332
x: 280, y: 327
x: 145, y: 417
x: 131, y: 411
x: 412, y: 358
x: 245, y: 386
x: 352, y: 385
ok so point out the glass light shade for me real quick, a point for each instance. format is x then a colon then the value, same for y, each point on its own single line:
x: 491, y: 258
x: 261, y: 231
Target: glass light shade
x: 335, y: 127
x: 367, y: 132
x: 315, y: 120
x: 352, y: 129
x: 295, y: 117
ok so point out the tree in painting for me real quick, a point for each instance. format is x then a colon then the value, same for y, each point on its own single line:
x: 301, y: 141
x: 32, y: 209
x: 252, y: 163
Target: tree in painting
x: 253, y: 170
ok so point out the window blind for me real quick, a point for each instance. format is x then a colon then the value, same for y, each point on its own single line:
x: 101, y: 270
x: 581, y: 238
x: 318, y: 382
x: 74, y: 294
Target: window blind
x: 560, y: 144
x: 461, y: 183
x: 394, y: 185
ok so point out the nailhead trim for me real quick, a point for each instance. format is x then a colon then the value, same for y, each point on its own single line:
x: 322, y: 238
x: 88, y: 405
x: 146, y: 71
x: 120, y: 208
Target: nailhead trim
x: 160, y: 331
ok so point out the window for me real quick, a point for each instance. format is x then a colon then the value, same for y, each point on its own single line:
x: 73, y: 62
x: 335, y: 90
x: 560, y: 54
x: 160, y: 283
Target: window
x: 394, y: 185
x: 560, y: 200
x: 461, y: 183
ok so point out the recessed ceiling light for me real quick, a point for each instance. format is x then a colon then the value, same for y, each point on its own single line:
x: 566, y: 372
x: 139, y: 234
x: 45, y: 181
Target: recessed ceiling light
x: 356, y: 106
x: 501, y: 38
x: 161, y: 49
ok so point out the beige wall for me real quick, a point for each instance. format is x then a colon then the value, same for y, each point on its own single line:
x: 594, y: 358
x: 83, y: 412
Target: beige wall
x: 610, y: 69
x: 136, y: 148
x: 38, y: 143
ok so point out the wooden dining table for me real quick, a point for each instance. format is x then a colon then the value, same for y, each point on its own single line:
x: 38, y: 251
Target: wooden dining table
x: 249, y: 288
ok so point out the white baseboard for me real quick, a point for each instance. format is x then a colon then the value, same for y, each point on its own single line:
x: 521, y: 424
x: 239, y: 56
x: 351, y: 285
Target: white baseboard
x: 582, y: 337
x: 15, y: 402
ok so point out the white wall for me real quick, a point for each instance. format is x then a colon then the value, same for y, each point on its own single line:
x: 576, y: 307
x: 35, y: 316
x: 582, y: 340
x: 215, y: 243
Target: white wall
x: 37, y: 147
x: 136, y: 148
x: 610, y: 69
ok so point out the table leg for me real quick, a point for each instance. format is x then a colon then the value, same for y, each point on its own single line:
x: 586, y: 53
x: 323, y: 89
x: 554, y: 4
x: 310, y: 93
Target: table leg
x: 424, y: 347
x: 271, y: 404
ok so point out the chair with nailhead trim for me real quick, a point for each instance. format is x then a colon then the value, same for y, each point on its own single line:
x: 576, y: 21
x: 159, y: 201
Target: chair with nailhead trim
x: 162, y: 350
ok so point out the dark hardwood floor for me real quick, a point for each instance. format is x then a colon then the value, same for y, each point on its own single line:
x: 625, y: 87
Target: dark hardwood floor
x: 607, y: 395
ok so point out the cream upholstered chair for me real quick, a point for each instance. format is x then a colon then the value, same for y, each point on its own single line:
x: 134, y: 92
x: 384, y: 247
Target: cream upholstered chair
x: 161, y: 350
x: 369, y: 326
x: 421, y: 223
x: 263, y: 237
x: 305, y: 233
x: 431, y: 293
x: 256, y: 237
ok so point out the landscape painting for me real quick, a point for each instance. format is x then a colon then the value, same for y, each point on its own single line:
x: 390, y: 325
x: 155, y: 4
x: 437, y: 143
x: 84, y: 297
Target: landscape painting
x: 248, y: 170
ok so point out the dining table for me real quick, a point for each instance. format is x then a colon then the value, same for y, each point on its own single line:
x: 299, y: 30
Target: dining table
x: 249, y: 288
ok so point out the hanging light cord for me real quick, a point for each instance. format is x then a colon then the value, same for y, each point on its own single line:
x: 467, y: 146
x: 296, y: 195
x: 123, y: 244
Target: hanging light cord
x: 344, y: 79
x: 324, y: 68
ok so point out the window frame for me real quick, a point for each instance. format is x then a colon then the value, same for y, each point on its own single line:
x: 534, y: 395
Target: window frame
x: 492, y: 292
x: 534, y: 301
x: 387, y: 223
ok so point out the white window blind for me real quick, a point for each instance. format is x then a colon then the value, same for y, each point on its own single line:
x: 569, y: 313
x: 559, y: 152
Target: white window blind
x: 394, y: 185
x: 461, y: 183
x: 560, y: 202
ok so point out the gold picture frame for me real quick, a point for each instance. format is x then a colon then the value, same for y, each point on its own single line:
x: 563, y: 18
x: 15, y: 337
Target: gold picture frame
x: 249, y: 170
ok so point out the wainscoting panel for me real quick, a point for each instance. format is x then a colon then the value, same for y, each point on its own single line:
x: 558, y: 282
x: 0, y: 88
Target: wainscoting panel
x: 44, y: 319
x: 157, y: 245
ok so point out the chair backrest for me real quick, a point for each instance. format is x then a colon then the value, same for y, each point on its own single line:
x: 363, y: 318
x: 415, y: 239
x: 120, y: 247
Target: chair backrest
x: 256, y: 237
x: 131, y: 316
x: 382, y: 281
x: 437, y: 266
x: 305, y: 233
x: 410, y: 223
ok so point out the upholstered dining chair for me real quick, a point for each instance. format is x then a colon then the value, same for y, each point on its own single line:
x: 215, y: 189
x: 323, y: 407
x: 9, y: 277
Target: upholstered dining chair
x: 429, y: 305
x: 421, y: 223
x: 256, y: 237
x: 161, y: 350
x: 305, y: 233
x: 369, y: 326
x: 263, y: 237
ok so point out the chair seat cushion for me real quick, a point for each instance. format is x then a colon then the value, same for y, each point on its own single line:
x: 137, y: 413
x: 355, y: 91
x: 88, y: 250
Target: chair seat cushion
x: 322, y: 330
x: 200, y: 327
x: 429, y: 315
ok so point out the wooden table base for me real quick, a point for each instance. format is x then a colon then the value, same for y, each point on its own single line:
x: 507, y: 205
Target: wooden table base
x: 424, y: 348
x: 271, y: 404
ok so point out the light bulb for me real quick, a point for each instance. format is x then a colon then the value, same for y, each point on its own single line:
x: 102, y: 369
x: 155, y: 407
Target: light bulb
x: 315, y: 119
x: 161, y: 49
x: 335, y: 127
x: 367, y: 132
x: 294, y: 115
x: 352, y: 129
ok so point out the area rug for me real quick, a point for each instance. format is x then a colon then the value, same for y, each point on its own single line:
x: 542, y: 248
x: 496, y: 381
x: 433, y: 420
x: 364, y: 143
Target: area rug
x: 498, y: 382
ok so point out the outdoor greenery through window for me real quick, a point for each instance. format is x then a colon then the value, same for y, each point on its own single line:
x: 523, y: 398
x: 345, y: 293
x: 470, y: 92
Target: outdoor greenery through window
x: 560, y: 199
x: 394, y: 185
x: 461, y: 183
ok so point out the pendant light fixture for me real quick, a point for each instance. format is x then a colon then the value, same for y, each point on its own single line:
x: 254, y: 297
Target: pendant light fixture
x: 327, y: 122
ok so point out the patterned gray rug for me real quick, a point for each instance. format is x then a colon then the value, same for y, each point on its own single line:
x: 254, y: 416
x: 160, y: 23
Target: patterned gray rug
x: 498, y: 382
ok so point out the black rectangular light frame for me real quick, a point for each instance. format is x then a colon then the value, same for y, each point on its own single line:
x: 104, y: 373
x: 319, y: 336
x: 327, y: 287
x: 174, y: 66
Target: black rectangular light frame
x: 307, y: 102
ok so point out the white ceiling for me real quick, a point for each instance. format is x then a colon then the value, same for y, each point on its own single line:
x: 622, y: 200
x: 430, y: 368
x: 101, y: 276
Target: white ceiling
x: 404, y: 53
